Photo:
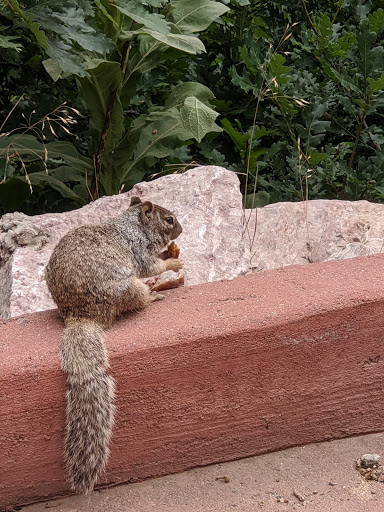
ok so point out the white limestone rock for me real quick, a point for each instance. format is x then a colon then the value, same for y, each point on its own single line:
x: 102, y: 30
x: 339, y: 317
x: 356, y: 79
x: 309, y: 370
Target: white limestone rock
x: 284, y: 234
x: 206, y: 201
x: 214, y: 243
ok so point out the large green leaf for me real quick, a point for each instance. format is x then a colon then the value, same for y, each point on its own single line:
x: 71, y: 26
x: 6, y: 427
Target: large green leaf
x: 323, y: 26
x: 96, y: 91
x: 28, y: 148
x: 9, y: 43
x: 240, y: 139
x: 69, y: 23
x: 53, y: 68
x: 278, y: 70
x: 192, y: 16
x: 376, y: 21
x: 182, y: 91
x: 152, y: 137
x: 150, y: 20
x: 260, y: 132
x: 124, y: 151
x: 16, y: 190
x: 41, y: 38
x: 28, y: 19
x: 68, y: 60
x: 244, y: 81
x: 185, y: 43
x: 371, y: 57
x: 158, y: 139
x: 61, y: 150
x: 103, y: 9
x: 88, y: 40
x: 67, y: 174
x: 316, y: 157
x: 375, y: 85
x: 105, y: 78
x: 143, y: 61
x: 315, y: 127
x: 198, y: 118
x: 40, y: 179
x: 16, y: 146
x: 61, y: 30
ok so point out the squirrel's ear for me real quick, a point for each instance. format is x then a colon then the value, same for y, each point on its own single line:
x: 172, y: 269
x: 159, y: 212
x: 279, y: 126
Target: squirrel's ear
x: 146, y: 211
x: 135, y: 200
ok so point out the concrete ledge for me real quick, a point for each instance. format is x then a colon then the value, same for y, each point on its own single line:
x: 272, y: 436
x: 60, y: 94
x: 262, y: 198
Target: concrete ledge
x: 213, y: 373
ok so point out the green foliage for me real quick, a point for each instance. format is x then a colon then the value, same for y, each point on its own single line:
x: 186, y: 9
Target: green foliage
x: 109, y: 51
x: 68, y: 167
x: 301, y: 91
x: 290, y: 96
x: 9, y: 42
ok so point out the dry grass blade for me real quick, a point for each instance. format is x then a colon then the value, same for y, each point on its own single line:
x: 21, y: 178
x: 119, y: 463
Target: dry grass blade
x: 12, y: 151
x: 51, y: 117
x: 299, y: 158
x: 64, y: 128
x: 51, y: 128
x: 176, y: 169
x: 24, y: 169
x: 264, y: 91
x: 75, y: 111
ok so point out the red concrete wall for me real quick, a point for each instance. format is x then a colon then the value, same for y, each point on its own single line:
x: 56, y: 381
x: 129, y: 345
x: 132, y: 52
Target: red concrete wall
x: 213, y: 373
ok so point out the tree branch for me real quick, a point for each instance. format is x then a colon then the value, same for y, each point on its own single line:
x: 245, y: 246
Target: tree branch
x: 309, y: 18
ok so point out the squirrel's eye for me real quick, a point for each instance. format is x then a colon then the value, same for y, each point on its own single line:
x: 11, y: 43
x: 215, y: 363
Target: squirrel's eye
x: 169, y: 220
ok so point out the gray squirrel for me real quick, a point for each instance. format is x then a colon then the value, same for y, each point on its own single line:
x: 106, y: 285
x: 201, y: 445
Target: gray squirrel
x: 93, y: 276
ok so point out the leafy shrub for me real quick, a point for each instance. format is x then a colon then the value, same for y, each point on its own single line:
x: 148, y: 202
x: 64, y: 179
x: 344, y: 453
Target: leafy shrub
x: 301, y: 97
x: 110, y: 48
x: 299, y: 88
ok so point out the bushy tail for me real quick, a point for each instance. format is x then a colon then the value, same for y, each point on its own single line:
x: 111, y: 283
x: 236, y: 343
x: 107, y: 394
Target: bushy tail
x: 90, y: 409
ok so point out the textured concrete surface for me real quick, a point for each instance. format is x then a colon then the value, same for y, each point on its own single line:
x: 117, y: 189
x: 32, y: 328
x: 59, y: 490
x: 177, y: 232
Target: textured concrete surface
x: 213, y: 373
x: 322, y: 474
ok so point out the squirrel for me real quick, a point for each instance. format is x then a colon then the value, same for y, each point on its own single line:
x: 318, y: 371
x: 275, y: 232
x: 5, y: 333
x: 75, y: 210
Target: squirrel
x: 93, y: 276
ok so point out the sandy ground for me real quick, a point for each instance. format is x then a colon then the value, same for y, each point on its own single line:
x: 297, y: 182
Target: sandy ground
x: 323, y: 475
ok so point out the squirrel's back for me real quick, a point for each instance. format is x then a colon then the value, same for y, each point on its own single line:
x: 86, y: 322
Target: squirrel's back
x: 83, y: 270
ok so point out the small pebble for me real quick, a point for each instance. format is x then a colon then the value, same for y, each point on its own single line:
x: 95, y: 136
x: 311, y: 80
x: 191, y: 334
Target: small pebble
x: 369, y: 460
x: 299, y: 496
x: 224, y: 479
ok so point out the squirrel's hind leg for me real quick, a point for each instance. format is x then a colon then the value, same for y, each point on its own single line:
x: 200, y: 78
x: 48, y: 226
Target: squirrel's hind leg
x: 136, y: 296
x: 156, y: 296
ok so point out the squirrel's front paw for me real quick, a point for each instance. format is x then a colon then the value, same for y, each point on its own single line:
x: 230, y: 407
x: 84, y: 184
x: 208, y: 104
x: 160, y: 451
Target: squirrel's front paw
x: 174, y: 264
x: 154, y: 296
